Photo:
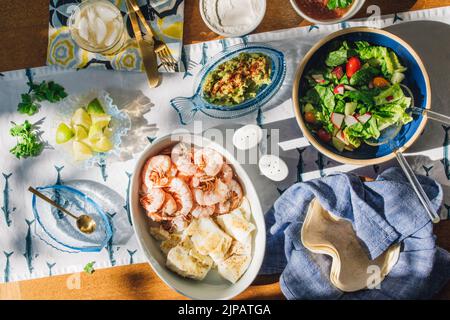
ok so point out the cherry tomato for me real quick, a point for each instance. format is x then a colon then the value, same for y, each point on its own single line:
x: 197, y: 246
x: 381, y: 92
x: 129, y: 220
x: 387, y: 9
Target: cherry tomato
x: 353, y: 65
x: 380, y: 82
x: 338, y: 72
x: 324, y: 135
x: 310, y: 117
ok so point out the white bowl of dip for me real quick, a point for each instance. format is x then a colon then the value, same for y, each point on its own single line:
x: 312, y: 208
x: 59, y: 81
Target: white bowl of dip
x: 354, y: 8
x: 232, y: 18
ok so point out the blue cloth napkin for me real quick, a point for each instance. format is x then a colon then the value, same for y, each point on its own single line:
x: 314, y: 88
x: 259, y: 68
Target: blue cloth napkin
x: 382, y: 212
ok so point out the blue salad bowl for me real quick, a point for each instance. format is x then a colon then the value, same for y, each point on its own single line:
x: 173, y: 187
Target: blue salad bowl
x: 416, y: 79
x: 187, y: 107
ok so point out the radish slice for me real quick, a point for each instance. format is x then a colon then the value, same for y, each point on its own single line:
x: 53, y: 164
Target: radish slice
x: 349, y: 88
x: 341, y: 136
x: 339, y: 89
x: 350, y: 120
x: 338, y: 72
x: 364, y: 118
x: 337, y: 119
x: 318, y: 78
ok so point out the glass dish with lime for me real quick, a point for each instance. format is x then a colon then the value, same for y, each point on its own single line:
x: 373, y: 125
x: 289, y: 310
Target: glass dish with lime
x: 90, y: 128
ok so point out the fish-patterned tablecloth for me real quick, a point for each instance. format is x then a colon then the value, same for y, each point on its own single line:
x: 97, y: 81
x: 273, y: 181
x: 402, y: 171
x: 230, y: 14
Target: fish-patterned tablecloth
x: 23, y: 255
x: 165, y: 17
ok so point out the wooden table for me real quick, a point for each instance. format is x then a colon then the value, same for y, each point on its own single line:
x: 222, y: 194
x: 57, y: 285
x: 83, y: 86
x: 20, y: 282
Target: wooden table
x: 23, y: 30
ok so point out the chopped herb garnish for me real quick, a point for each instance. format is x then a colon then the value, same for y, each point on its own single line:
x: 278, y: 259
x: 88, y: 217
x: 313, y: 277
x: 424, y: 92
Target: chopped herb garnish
x: 89, y: 267
x: 45, y: 91
x: 334, y: 4
x: 27, y: 106
x: 28, y: 141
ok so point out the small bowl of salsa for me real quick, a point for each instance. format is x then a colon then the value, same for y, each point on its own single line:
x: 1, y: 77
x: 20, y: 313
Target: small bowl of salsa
x: 327, y: 11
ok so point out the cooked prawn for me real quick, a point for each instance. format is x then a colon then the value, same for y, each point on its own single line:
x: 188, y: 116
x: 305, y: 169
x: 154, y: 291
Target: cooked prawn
x: 159, y: 217
x: 183, y: 183
x: 182, y: 156
x: 153, y: 200
x: 184, y: 177
x: 157, y: 171
x: 210, y: 192
x: 226, y: 174
x: 170, y: 206
x: 209, y: 161
x: 144, y: 189
x: 202, y: 211
x: 232, y: 200
x: 197, y: 180
x: 182, y: 194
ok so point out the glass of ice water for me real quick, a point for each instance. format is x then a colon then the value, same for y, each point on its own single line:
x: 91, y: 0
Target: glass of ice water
x: 98, y: 26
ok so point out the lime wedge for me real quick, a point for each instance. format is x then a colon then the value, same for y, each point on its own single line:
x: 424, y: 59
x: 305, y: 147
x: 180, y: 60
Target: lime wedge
x: 102, y: 145
x: 95, y: 133
x: 87, y: 142
x: 101, y: 120
x: 108, y: 132
x: 63, y: 133
x: 80, y: 132
x: 81, y: 118
x: 81, y: 151
x: 94, y: 107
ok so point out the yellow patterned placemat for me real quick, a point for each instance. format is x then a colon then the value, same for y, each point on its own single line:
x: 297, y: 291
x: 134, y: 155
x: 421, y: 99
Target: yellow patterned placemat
x: 165, y: 16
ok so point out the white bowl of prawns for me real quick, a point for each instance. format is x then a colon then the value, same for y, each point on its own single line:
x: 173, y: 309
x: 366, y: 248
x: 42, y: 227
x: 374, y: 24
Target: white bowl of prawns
x: 203, y: 182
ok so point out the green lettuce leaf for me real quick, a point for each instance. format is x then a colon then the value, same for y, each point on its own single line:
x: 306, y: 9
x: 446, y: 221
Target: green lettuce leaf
x: 389, y: 95
x: 363, y: 96
x: 363, y: 76
x: 334, y: 4
x: 336, y: 58
x: 352, y: 135
x: 391, y: 105
x: 326, y: 96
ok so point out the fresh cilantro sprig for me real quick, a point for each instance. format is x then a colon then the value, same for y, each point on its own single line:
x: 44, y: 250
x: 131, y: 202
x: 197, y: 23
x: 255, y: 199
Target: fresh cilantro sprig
x: 48, y: 91
x: 27, y: 106
x: 45, y: 91
x: 89, y: 267
x: 334, y: 4
x: 28, y: 141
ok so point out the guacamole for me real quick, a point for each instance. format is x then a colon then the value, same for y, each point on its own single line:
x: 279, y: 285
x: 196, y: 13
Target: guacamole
x: 237, y: 80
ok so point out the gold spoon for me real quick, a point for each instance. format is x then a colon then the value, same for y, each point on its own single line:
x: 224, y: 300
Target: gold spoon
x: 84, y: 222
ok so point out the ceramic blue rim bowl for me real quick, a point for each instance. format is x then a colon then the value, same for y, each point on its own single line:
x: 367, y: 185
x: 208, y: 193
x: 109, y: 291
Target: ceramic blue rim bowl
x: 416, y: 79
x: 187, y: 107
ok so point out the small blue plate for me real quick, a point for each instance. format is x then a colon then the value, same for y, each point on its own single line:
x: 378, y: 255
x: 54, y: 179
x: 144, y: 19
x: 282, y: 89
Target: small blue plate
x: 59, y: 230
x: 187, y: 107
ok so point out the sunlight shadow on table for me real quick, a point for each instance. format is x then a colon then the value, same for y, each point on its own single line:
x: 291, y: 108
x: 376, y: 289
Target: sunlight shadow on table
x: 143, y: 284
x: 136, y: 105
